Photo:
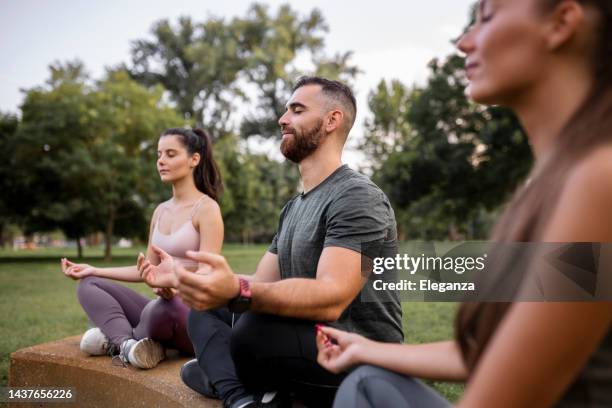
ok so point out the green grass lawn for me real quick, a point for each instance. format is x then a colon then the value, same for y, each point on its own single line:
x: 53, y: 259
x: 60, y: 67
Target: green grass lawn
x: 38, y: 304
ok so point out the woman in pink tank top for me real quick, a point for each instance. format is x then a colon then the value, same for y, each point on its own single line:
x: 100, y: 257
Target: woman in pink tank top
x: 126, y: 324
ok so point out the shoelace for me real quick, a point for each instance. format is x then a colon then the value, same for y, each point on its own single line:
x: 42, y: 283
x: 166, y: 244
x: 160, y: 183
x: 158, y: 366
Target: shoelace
x: 117, y: 358
x: 117, y: 361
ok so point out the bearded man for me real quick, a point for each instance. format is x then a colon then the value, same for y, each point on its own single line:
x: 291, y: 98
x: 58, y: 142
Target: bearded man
x: 254, y: 336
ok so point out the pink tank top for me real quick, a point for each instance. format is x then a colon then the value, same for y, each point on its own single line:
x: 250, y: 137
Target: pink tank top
x: 185, y: 238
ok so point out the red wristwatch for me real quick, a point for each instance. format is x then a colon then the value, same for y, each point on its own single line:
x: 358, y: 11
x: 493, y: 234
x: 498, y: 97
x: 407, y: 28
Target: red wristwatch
x: 242, y: 302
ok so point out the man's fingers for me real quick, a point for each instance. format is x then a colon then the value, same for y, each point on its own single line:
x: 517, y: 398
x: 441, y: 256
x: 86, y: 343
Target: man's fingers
x: 189, y: 278
x: 191, y: 285
x: 206, y: 257
x: 179, y: 270
x: 193, y: 297
x: 193, y: 282
x: 187, y: 301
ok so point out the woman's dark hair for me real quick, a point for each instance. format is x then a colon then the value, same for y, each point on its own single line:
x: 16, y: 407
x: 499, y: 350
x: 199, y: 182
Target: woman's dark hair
x: 206, y: 176
x: 529, y: 211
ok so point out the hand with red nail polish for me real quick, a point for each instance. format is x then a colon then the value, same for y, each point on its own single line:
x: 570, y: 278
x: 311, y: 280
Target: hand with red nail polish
x: 339, y: 350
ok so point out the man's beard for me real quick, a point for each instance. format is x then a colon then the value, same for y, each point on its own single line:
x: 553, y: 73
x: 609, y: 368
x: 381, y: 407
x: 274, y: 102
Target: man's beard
x: 301, y: 145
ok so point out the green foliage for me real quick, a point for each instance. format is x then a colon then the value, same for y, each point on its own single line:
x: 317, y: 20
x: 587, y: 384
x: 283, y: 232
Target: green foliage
x: 88, y: 151
x: 270, y: 46
x: 196, y: 63
x: 256, y: 188
x: 389, y: 128
x: 205, y: 66
x: 445, y: 163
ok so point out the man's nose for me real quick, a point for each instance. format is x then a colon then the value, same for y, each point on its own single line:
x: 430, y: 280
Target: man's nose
x: 283, y: 120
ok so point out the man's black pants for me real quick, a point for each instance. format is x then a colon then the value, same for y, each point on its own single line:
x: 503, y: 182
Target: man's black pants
x: 253, y: 352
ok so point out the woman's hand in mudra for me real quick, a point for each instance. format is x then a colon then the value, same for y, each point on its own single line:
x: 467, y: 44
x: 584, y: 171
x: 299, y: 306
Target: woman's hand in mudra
x: 157, y: 276
x: 339, y: 350
x: 76, y: 271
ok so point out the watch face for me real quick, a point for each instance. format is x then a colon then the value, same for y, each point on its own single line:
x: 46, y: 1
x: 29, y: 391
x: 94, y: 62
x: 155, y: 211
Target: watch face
x: 240, y: 305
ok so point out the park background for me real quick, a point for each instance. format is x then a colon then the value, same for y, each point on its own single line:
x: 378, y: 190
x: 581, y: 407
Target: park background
x: 78, y: 151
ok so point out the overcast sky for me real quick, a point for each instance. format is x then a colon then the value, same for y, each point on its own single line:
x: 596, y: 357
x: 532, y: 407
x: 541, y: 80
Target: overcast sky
x: 390, y: 39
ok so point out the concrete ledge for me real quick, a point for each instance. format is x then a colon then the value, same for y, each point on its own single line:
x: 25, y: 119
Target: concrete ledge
x: 97, y: 382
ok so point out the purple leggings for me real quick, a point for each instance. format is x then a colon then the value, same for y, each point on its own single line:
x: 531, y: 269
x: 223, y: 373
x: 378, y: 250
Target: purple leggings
x: 123, y: 314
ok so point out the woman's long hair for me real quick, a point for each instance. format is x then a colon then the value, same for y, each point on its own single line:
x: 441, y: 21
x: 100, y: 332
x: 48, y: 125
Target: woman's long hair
x: 206, y: 175
x: 529, y: 211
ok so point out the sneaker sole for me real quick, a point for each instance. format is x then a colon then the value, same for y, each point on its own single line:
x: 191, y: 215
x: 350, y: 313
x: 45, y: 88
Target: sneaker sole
x: 146, y: 354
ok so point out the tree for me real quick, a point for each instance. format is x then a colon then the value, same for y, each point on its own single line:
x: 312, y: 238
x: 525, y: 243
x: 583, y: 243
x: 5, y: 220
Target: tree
x: 205, y: 67
x: 270, y: 46
x: 445, y: 161
x: 53, y: 127
x: 196, y: 63
x: 256, y: 188
x: 388, y: 129
x: 9, y: 183
x: 88, y: 150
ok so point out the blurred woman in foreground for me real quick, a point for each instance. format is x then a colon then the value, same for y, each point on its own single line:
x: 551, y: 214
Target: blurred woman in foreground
x: 551, y: 62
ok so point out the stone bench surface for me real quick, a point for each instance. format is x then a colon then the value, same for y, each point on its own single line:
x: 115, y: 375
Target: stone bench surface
x: 99, y: 383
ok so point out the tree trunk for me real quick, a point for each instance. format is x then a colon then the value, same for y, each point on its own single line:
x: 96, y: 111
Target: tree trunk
x: 108, y: 234
x: 79, y: 247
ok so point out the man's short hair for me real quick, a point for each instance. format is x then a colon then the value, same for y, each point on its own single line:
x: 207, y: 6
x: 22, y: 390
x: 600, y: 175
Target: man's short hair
x: 336, y: 91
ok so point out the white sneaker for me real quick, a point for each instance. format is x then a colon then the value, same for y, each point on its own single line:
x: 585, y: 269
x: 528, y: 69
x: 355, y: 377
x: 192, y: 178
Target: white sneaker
x: 94, y: 342
x: 145, y: 353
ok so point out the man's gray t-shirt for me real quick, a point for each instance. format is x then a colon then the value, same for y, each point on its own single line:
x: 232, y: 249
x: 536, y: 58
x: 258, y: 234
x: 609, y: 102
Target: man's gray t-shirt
x: 345, y: 210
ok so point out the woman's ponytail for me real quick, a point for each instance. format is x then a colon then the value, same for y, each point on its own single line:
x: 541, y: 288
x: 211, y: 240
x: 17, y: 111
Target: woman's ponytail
x: 206, y: 175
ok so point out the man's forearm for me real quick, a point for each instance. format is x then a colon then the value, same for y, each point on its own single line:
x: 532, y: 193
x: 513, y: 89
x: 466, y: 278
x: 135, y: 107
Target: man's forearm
x: 300, y: 298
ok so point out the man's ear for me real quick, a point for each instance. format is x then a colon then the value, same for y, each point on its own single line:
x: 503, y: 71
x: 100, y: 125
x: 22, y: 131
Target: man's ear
x: 334, y: 120
x: 563, y: 23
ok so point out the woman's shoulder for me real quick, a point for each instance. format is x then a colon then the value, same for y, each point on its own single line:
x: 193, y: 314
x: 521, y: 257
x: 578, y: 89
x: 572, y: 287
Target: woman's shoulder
x: 582, y: 212
x: 593, y: 171
x: 160, y: 206
x: 207, y: 207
